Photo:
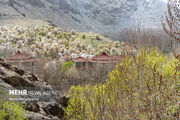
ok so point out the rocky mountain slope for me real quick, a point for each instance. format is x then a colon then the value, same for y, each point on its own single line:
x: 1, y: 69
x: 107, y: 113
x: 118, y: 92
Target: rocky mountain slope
x: 88, y: 15
x: 13, y: 77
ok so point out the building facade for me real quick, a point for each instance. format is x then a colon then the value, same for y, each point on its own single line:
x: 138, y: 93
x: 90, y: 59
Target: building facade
x: 22, y: 60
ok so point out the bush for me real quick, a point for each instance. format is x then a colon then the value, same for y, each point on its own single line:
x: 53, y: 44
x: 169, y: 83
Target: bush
x: 98, y: 38
x: 141, y: 87
x: 58, y: 73
x: 77, y: 104
x: 11, y: 111
x: 67, y: 65
x: 83, y: 36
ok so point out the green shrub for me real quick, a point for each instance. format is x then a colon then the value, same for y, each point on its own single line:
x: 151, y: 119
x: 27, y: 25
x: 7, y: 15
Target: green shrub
x: 59, y: 36
x: 142, y: 87
x: 98, y: 38
x: 42, y: 33
x: 77, y: 104
x: 12, y: 111
x: 83, y: 36
x: 67, y: 65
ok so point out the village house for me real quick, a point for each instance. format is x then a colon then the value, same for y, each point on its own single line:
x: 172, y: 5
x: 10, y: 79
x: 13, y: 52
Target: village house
x: 98, y: 66
x: 101, y: 60
x: 80, y: 63
x: 22, y: 60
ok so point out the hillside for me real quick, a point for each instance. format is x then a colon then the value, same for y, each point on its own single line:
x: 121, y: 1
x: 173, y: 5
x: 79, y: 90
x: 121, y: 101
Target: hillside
x: 88, y: 15
x: 89, y: 59
x: 54, y: 42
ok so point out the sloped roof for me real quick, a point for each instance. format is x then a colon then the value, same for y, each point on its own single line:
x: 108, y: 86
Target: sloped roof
x: 104, y: 57
x: 99, y: 61
x: 20, y: 57
x: 79, y: 59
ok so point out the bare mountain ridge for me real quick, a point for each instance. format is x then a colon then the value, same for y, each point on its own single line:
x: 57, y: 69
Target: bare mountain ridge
x: 88, y: 15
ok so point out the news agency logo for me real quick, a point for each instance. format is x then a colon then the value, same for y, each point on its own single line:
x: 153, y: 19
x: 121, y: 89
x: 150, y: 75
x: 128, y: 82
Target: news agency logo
x: 31, y: 94
x: 18, y: 92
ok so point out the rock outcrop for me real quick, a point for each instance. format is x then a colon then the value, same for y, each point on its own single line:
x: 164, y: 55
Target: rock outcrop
x: 13, y: 77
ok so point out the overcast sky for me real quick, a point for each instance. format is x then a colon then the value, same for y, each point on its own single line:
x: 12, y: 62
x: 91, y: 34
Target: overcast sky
x: 164, y: 0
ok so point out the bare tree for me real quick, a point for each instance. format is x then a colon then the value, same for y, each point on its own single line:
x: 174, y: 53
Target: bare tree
x: 172, y: 25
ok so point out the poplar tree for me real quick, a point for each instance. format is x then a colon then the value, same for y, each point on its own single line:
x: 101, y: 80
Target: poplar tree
x: 172, y: 23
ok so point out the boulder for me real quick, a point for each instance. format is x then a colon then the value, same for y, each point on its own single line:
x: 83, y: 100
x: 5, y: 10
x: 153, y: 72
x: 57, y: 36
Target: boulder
x: 53, y: 109
x: 63, y: 101
x: 13, y: 77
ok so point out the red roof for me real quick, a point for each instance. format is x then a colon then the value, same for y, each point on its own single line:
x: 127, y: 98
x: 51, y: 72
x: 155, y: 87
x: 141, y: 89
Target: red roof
x: 20, y: 57
x: 79, y: 59
x: 96, y: 61
x: 103, y: 54
x: 104, y: 57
